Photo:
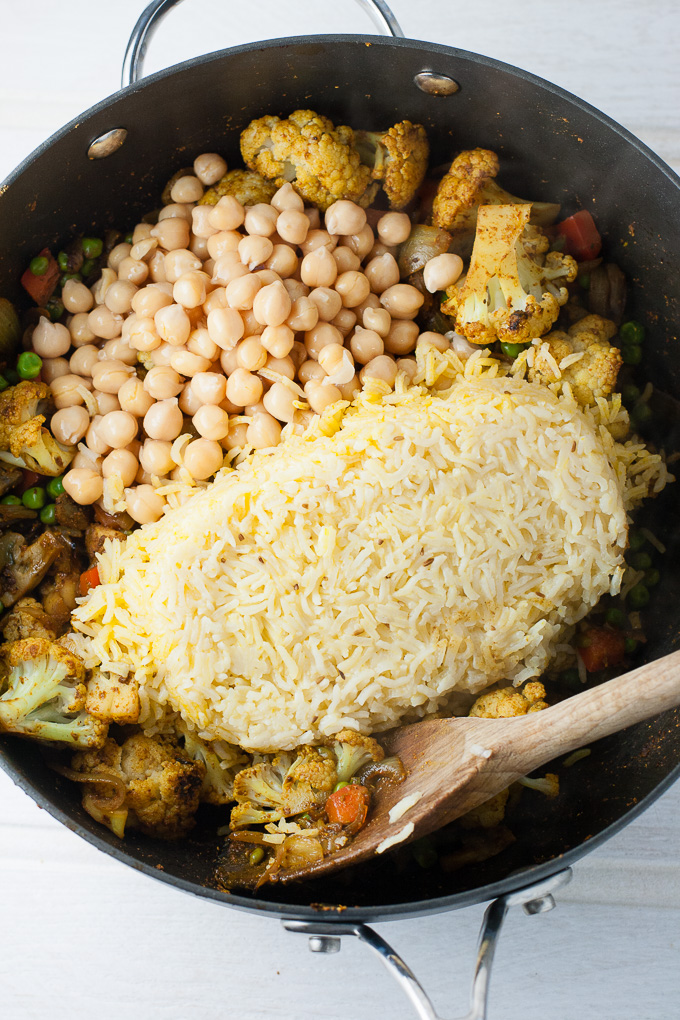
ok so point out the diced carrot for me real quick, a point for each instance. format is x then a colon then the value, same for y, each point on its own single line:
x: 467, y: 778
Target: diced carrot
x: 89, y: 579
x: 582, y: 238
x: 348, y: 806
x: 602, y: 648
x: 42, y: 287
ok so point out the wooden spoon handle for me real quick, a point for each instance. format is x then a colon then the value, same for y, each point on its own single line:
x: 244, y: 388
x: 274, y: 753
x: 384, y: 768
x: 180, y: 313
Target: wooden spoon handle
x: 603, y: 710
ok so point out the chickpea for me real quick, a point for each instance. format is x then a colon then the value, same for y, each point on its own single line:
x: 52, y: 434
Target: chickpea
x: 85, y: 458
x: 250, y: 353
x: 188, y: 402
x: 361, y: 242
x: 272, y: 305
x: 134, y: 398
x: 109, y: 376
x: 201, y: 226
x: 345, y: 259
x: 55, y: 368
x: 133, y: 271
x: 237, y: 437
x: 321, y: 395
x: 117, y: 429
x: 203, y: 457
x: 318, y: 268
x: 150, y: 299
x: 225, y: 327
x: 164, y: 420
x: 402, y: 301
x: 143, y: 477
x: 155, y: 458
x: 50, y: 339
x: 345, y: 321
x: 287, y: 198
x: 105, y: 402
x: 209, y: 387
x: 173, y: 325
x: 119, y: 296
x: 104, y: 323
x: 327, y: 301
x: 211, y: 422
x: 244, y: 388
x: 296, y: 288
x: 314, y: 217
x: 227, y: 268
x: 277, y: 340
x: 186, y: 189
x: 283, y: 261
x: 435, y: 340
x: 279, y: 402
x: 383, y: 367
x: 380, y: 249
x: 260, y: 219
x: 409, y: 366
x: 83, y: 360
x: 227, y: 215
x: 337, y: 363
x: 228, y: 361
x: 365, y: 345
x: 176, y: 210
x: 224, y: 242
x: 344, y: 217
x: 200, y: 343
x: 157, y: 267
x: 251, y: 327
x: 320, y: 336
x: 209, y: 168
x: 118, y: 350
x: 141, y: 252
x: 217, y: 298
x: 378, y: 319
x: 199, y: 247
x: 162, y: 382
x: 172, y: 233
x: 144, y: 504
x: 117, y: 254
x: 382, y: 272
x: 394, y: 228
x: 83, y: 485
x: 79, y: 329
x: 65, y: 390
x: 292, y: 226
x: 254, y: 250
x: 304, y: 314
x: 120, y: 464
x: 241, y: 291
x: 310, y: 370
x: 189, y: 364
x: 263, y: 432
x: 282, y: 366
x: 76, y: 297
x: 442, y: 271
x: 402, y: 337
x: 162, y: 355
x: 69, y: 425
x: 190, y: 290
x: 179, y: 262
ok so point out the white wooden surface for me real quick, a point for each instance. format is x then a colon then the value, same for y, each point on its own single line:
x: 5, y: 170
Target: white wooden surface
x: 81, y: 935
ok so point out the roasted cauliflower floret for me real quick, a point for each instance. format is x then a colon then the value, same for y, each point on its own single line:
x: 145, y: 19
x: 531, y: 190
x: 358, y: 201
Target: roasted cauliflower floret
x: 27, y: 619
x: 487, y: 815
x: 288, y: 784
x: 509, y: 701
x: 549, y: 784
x: 112, y: 699
x: 157, y: 787
x: 594, y: 374
x: 353, y: 751
x: 318, y: 159
x: 23, y: 440
x: 222, y: 762
x: 43, y: 694
x: 509, y: 293
x: 397, y: 158
x: 248, y: 187
x: 469, y: 183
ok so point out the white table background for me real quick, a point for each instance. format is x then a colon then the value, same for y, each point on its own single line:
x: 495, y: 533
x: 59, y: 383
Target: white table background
x: 84, y: 936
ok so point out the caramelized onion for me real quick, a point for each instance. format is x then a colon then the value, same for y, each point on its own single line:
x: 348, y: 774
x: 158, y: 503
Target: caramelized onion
x: 607, y: 293
x: 389, y: 768
x: 422, y: 244
x: 108, y: 803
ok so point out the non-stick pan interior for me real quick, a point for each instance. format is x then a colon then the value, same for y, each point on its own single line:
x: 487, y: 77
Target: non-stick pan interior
x: 552, y: 147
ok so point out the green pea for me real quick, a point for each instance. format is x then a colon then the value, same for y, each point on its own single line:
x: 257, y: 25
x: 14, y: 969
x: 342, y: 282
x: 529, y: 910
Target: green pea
x: 584, y: 281
x: 69, y: 276
x: 92, y: 247
x: 255, y: 856
x: 48, y: 514
x: 128, y: 238
x: 638, y: 597
x: 652, y: 577
x: 616, y: 617
x: 640, y: 414
x: 630, y: 645
x: 640, y: 560
x: 62, y: 261
x: 424, y: 852
x: 512, y: 350
x: 631, y: 354
x: 12, y: 376
x: 34, y: 498
x: 10, y: 501
x: 630, y: 393
x: 3, y: 383
x: 55, y: 487
x: 39, y: 265
x: 636, y: 540
x: 570, y: 678
x: 339, y: 786
x: 55, y: 307
x: 88, y: 266
x: 632, y: 332
x: 29, y: 365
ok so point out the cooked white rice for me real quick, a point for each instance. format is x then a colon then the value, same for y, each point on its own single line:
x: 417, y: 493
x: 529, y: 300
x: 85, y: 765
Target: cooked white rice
x: 423, y: 544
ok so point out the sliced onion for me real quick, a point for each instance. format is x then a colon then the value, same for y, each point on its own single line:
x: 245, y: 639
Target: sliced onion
x: 461, y: 346
x: 422, y: 244
x: 389, y: 768
x: 107, y: 803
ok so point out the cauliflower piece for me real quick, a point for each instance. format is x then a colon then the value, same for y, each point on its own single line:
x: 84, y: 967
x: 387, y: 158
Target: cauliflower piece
x: 222, y: 762
x: 159, y: 785
x: 288, y: 784
x: 397, y: 158
x: 509, y: 701
x: 487, y: 815
x: 353, y: 751
x: 248, y: 187
x: 592, y: 376
x: 509, y: 293
x: 549, y: 785
x: 318, y: 159
x: 27, y: 619
x: 43, y: 694
x: 23, y: 440
x: 111, y: 699
x: 469, y: 183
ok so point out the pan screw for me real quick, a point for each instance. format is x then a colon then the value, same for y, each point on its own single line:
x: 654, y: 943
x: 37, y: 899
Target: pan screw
x: 540, y: 906
x: 435, y: 84
x: 107, y: 143
x: 324, y: 944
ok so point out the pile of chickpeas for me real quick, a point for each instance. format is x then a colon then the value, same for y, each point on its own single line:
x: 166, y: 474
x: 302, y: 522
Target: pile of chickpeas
x: 224, y: 323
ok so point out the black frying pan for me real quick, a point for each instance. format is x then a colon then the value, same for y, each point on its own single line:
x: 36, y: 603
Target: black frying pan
x: 552, y: 147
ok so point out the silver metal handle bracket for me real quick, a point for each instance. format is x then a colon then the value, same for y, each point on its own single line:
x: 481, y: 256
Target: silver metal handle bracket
x: 325, y: 937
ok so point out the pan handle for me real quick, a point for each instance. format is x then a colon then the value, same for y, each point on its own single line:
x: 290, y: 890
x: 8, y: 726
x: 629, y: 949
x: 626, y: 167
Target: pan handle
x: 535, y: 899
x: 151, y: 17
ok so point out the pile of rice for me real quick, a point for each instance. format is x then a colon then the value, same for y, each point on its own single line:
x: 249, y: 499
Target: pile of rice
x: 413, y: 545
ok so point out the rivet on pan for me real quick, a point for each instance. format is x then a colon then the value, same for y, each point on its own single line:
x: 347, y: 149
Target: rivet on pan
x: 435, y: 84
x: 107, y: 143
x: 324, y: 944
x: 540, y: 906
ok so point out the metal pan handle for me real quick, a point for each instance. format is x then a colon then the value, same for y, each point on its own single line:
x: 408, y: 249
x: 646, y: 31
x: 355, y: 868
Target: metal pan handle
x: 151, y: 17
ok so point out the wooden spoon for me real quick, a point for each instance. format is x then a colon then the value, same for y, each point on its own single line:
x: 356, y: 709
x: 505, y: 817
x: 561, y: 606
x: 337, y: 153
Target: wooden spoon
x: 457, y: 764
